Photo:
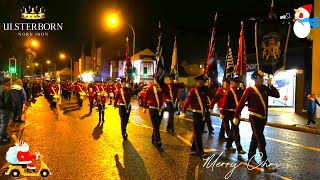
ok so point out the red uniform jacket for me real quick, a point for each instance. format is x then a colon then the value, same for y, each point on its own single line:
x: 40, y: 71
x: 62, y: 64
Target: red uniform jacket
x: 53, y: 89
x: 127, y: 93
x: 104, y: 87
x: 79, y: 88
x: 91, y: 96
x: 102, y: 99
x: 25, y: 157
x: 111, y: 88
x: 150, y: 97
x: 229, y: 101
x: 96, y: 88
x: 174, y: 87
x: 193, y: 100
x: 69, y: 87
x: 219, y: 97
x: 254, y: 102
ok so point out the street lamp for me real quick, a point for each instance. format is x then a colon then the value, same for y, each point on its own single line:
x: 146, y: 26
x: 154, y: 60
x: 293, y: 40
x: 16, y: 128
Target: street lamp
x: 37, y: 64
x: 63, y: 56
x: 35, y: 43
x: 55, y: 67
x: 112, y: 21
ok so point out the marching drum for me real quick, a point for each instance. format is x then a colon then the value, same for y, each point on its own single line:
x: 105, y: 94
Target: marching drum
x: 82, y: 95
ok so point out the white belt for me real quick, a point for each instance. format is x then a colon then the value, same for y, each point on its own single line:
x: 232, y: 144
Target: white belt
x: 257, y: 115
x: 233, y: 110
x: 152, y: 107
x: 122, y: 104
x: 197, y: 111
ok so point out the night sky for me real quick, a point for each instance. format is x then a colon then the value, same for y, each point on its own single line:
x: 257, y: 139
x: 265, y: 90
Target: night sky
x: 190, y: 21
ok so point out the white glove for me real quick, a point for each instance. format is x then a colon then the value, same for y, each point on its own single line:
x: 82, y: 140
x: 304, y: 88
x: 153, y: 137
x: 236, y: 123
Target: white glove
x: 235, y: 121
x: 241, y: 85
x: 269, y: 82
x: 183, y: 115
x: 221, y: 116
x: 144, y: 110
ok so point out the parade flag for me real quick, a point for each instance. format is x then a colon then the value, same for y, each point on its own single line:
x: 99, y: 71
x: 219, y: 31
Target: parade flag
x: 271, y: 42
x: 211, y: 70
x: 229, y: 65
x: 159, y: 74
x: 128, y: 66
x: 174, y: 64
x: 241, y: 67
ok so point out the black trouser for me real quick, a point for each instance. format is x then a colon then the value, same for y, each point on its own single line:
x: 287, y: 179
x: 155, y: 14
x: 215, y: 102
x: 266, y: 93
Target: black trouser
x: 52, y: 103
x: 79, y: 100
x: 17, y: 111
x: 171, y: 111
x: 233, y: 134
x: 124, y: 115
x: 311, y: 117
x: 68, y: 95
x: 225, y: 127
x: 101, y: 111
x: 156, y: 119
x: 208, y: 121
x: 257, y: 140
x: 198, y: 126
x: 91, y: 106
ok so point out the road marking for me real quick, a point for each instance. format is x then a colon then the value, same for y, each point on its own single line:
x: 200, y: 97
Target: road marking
x: 294, y: 144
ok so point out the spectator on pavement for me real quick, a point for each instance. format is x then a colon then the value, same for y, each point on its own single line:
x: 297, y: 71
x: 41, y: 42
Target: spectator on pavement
x: 19, y: 97
x: 311, y: 108
x: 5, y: 107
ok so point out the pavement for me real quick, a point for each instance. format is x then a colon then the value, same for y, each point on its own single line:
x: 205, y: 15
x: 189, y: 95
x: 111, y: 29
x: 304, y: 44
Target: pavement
x: 278, y: 117
x: 76, y: 146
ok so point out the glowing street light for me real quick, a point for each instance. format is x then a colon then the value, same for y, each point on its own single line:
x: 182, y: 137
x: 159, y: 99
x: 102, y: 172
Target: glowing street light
x: 48, y: 62
x: 36, y: 64
x: 112, y: 20
x: 34, y: 43
x: 64, y: 56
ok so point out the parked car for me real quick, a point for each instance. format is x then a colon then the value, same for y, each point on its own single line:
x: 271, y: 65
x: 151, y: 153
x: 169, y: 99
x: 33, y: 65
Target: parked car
x: 142, y: 95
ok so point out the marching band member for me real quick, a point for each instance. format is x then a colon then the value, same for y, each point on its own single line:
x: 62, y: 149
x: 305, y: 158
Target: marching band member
x: 155, y: 97
x: 198, y: 99
x: 96, y: 90
x: 53, y: 90
x: 101, y: 105
x: 219, y: 97
x: 123, y: 98
x: 92, y: 97
x: 231, y: 100
x: 69, y: 90
x: 172, y: 101
x: 79, y: 88
x: 111, y: 90
x: 257, y: 98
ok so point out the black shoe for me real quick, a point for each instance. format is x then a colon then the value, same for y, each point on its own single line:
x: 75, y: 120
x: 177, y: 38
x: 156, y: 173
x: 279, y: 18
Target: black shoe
x: 269, y: 170
x: 252, y: 162
x: 223, y: 138
x: 159, y: 144
x: 230, y: 149
x: 125, y: 136
x: 242, y: 152
x: 211, y: 133
x: 204, y: 131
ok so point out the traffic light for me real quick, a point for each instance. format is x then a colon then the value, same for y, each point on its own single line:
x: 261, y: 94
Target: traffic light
x: 12, y: 65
